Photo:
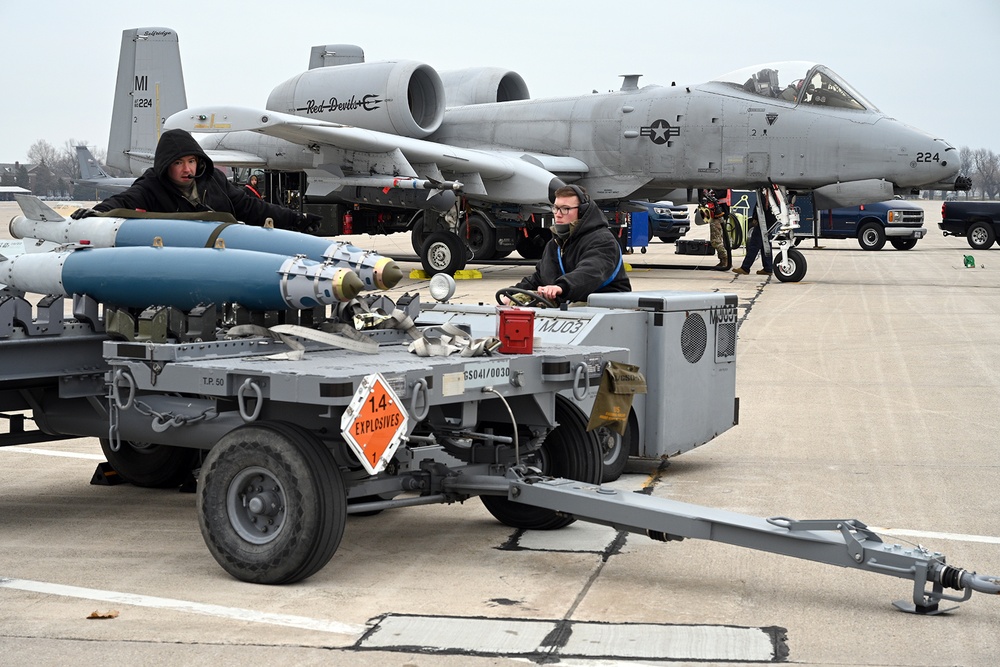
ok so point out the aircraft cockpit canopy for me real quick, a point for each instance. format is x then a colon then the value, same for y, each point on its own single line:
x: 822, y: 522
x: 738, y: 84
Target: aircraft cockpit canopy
x: 799, y: 82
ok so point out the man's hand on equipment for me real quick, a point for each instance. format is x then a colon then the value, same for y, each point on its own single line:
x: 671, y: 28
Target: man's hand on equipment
x: 550, y: 292
x: 309, y: 224
x: 83, y: 213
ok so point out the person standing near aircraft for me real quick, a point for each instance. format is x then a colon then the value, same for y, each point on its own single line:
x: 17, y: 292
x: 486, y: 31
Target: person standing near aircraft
x: 755, y: 240
x: 251, y: 187
x: 183, y: 179
x: 715, y: 211
x: 583, y: 256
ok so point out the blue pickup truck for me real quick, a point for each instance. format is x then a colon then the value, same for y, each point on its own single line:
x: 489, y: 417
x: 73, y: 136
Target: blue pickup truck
x: 667, y: 222
x: 899, y: 222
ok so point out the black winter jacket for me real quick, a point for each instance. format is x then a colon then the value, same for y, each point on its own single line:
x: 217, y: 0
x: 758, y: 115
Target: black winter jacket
x: 153, y: 191
x: 590, y: 256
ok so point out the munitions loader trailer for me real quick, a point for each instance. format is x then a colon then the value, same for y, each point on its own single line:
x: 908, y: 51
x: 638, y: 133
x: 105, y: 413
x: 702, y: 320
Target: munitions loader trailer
x: 292, y: 432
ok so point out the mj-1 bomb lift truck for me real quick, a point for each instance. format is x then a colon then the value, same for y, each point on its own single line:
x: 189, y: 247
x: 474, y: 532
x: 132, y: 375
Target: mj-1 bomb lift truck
x: 292, y: 429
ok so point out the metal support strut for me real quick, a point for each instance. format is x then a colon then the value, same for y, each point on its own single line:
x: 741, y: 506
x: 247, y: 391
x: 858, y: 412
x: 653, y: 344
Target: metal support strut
x: 842, y: 542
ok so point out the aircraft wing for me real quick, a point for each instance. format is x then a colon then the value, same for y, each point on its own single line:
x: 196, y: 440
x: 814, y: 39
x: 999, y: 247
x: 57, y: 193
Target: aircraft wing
x: 491, y: 175
x: 232, y: 158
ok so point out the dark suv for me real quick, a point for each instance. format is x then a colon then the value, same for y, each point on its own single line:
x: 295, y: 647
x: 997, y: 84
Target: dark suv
x: 666, y: 221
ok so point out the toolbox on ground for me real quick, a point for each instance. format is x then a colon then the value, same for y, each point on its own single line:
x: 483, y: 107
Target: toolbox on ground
x: 693, y: 247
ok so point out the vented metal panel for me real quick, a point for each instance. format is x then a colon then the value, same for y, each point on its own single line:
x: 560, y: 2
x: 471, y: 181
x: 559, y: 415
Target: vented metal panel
x: 694, y: 337
x: 725, y: 341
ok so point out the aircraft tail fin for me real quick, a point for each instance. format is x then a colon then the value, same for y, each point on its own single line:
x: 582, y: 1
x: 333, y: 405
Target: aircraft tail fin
x: 150, y: 87
x: 90, y: 168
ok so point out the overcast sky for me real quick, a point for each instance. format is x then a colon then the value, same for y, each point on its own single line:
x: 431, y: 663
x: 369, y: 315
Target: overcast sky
x: 929, y: 63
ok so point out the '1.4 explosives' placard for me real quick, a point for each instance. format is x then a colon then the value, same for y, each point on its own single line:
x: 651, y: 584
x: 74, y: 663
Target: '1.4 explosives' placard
x: 374, y: 423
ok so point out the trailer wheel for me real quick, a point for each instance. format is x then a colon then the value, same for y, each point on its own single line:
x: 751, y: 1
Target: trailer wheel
x: 616, y: 448
x: 903, y: 244
x: 569, y: 451
x: 271, y: 503
x: 481, y: 238
x: 443, y: 252
x: 980, y: 236
x: 793, y: 269
x: 148, y: 465
x: 871, y: 236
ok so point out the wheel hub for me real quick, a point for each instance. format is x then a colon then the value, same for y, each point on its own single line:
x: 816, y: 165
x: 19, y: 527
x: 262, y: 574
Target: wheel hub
x: 255, y: 504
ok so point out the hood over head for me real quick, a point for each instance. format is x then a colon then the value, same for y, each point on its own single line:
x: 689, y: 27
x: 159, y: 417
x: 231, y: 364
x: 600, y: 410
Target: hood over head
x: 175, y: 144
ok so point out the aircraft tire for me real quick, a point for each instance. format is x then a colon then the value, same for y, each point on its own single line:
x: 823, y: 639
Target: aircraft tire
x: 272, y: 504
x: 980, y: 236
x: 793, y: 269
x: 418, y: 235
x: 569, y: 451
x: 481, y: 237
x: 532, y: 245
x: 151, y: 466
x: 871, y: 236
x: 903, y: 244
x: 443, y: 252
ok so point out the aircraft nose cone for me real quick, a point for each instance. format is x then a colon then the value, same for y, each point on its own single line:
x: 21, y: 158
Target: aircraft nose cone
x: 391, y: 275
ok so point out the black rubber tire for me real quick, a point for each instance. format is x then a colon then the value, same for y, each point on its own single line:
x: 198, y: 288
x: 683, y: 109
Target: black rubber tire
x: 532, y: 245
x: 980, y: 235
x: 794, y: 271
x: 443, y: 252
x: 151, y: 466
x: 481, y: 237
x: 903, y: 244
x: 871, y: 236
x: 293, y: 471
x: 569, y: 452
x: 418, y: 235
x: 617, y: 448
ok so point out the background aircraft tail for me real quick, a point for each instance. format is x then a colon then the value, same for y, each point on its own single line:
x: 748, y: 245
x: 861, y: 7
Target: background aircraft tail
x: 149, y: 89
x: 90, y: 168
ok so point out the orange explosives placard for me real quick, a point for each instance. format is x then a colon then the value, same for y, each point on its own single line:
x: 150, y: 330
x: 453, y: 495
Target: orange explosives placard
x: 374, y: 423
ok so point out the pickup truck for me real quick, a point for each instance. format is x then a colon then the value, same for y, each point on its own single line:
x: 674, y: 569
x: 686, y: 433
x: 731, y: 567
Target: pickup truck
x: 977, y: 221
x: 897, y: 221
x: 667, y: 222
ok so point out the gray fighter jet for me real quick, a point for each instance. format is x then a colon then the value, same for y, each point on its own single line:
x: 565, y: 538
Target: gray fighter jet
x: 92, y: 175
x: 357, y: 129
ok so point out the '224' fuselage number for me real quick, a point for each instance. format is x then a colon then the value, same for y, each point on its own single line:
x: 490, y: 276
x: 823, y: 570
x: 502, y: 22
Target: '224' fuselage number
x: 928, y: 157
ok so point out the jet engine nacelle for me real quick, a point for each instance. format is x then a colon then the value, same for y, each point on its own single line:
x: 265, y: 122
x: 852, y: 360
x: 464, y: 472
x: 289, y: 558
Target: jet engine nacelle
x: 482, y: 85
x: 399, y: 97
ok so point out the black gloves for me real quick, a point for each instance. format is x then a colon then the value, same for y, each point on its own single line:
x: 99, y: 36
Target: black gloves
x: 83, y: 213
x: 309, y: 223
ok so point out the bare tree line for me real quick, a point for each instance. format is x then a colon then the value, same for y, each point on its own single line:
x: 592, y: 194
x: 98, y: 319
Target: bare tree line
x: 56, y: 169
x: 983, y: 166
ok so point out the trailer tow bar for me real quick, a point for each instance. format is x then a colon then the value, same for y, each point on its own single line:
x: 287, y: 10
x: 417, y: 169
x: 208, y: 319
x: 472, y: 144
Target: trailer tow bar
x: 843, y: 542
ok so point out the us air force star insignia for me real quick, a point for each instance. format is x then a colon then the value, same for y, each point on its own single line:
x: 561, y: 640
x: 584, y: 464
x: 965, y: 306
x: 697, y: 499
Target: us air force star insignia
x: 659, y: 131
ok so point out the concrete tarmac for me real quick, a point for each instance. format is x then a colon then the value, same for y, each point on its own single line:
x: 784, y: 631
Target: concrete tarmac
x: 868, y: 390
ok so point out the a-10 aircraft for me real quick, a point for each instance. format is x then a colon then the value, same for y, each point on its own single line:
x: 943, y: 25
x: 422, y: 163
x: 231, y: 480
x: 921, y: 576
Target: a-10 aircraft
x: 92, y: 175
x: 361, y: 130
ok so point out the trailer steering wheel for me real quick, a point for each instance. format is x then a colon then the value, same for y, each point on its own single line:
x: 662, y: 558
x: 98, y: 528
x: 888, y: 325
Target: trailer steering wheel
x: 535, y: 300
